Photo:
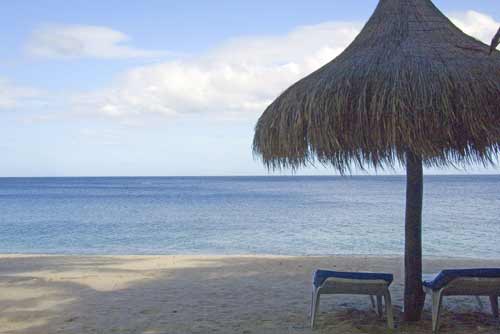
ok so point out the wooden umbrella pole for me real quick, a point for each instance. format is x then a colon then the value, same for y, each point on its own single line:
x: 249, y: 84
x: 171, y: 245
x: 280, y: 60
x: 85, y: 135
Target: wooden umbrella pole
x: 414, y: 295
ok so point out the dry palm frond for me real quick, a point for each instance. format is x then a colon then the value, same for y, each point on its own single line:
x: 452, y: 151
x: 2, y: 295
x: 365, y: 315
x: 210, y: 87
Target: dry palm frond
x: 495, y: 42
x: 411, y: 81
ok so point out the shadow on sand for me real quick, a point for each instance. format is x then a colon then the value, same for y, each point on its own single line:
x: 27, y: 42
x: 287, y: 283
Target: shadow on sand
x: 178, y: 294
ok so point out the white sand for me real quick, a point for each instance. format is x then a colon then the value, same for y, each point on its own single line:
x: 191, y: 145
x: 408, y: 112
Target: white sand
x: 205, y: 294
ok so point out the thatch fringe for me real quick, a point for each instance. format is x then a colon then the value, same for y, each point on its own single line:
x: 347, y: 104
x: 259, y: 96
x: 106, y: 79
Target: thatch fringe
x: 495, y: 41
x: 411, y: 81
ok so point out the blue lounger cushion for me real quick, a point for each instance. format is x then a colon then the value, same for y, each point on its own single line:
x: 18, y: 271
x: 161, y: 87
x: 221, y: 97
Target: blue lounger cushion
x: 320, y: 276
x: 446, y: 276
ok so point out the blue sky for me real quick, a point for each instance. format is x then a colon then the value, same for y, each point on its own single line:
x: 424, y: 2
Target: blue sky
x: 165, y: 87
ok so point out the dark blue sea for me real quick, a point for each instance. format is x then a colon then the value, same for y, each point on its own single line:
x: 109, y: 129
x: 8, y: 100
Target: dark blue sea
x: 246, y: 215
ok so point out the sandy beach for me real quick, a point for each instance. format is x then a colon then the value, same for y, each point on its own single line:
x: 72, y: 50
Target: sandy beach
x: 205, y: 294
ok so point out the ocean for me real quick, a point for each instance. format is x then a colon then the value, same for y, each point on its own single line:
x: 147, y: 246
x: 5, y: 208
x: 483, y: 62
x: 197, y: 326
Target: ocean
x: 246, y: 215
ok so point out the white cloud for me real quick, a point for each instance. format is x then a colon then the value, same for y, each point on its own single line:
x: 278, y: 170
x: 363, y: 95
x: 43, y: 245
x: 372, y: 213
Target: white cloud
x: 237, y: 79
x: 83, y: 41
x: 475, y: 24
x: 11, y: 95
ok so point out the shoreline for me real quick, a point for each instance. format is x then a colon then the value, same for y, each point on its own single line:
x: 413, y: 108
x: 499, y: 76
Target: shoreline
x: 207, y: 294
x: 257, y: 256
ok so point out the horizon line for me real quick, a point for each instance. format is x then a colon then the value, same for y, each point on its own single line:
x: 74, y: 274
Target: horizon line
x: 236, y: 176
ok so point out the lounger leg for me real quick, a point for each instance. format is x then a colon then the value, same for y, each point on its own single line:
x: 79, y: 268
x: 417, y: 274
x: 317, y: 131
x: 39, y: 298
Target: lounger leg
x: 379, y: 307
x: 388, y: 310
x: 480, y: 303
x: 437, y: 298
x: 372, y: 299
x: 315, y: 307
x: 494, y: 306
x: 312, y: 301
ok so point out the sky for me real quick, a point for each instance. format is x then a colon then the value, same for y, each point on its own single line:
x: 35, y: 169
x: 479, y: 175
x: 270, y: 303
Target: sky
x: 167, y: 87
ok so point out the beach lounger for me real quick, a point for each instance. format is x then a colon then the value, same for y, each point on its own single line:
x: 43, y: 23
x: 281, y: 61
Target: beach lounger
x: 462, y: 282
x: 334, y: 282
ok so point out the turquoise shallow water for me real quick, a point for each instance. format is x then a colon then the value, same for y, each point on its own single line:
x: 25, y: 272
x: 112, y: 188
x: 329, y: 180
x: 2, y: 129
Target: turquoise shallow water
x: 246, y: 215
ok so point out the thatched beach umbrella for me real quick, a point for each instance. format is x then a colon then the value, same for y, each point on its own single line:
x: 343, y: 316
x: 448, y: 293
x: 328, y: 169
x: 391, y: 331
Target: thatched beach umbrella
x: 412, y: 89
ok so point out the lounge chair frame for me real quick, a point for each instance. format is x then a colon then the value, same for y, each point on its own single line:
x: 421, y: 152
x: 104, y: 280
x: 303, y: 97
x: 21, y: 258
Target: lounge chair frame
x: 464, y: 286
x: 340, y: 286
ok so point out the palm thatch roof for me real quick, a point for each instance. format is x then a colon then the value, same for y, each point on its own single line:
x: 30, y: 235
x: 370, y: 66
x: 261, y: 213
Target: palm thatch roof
x: 411, y: 81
